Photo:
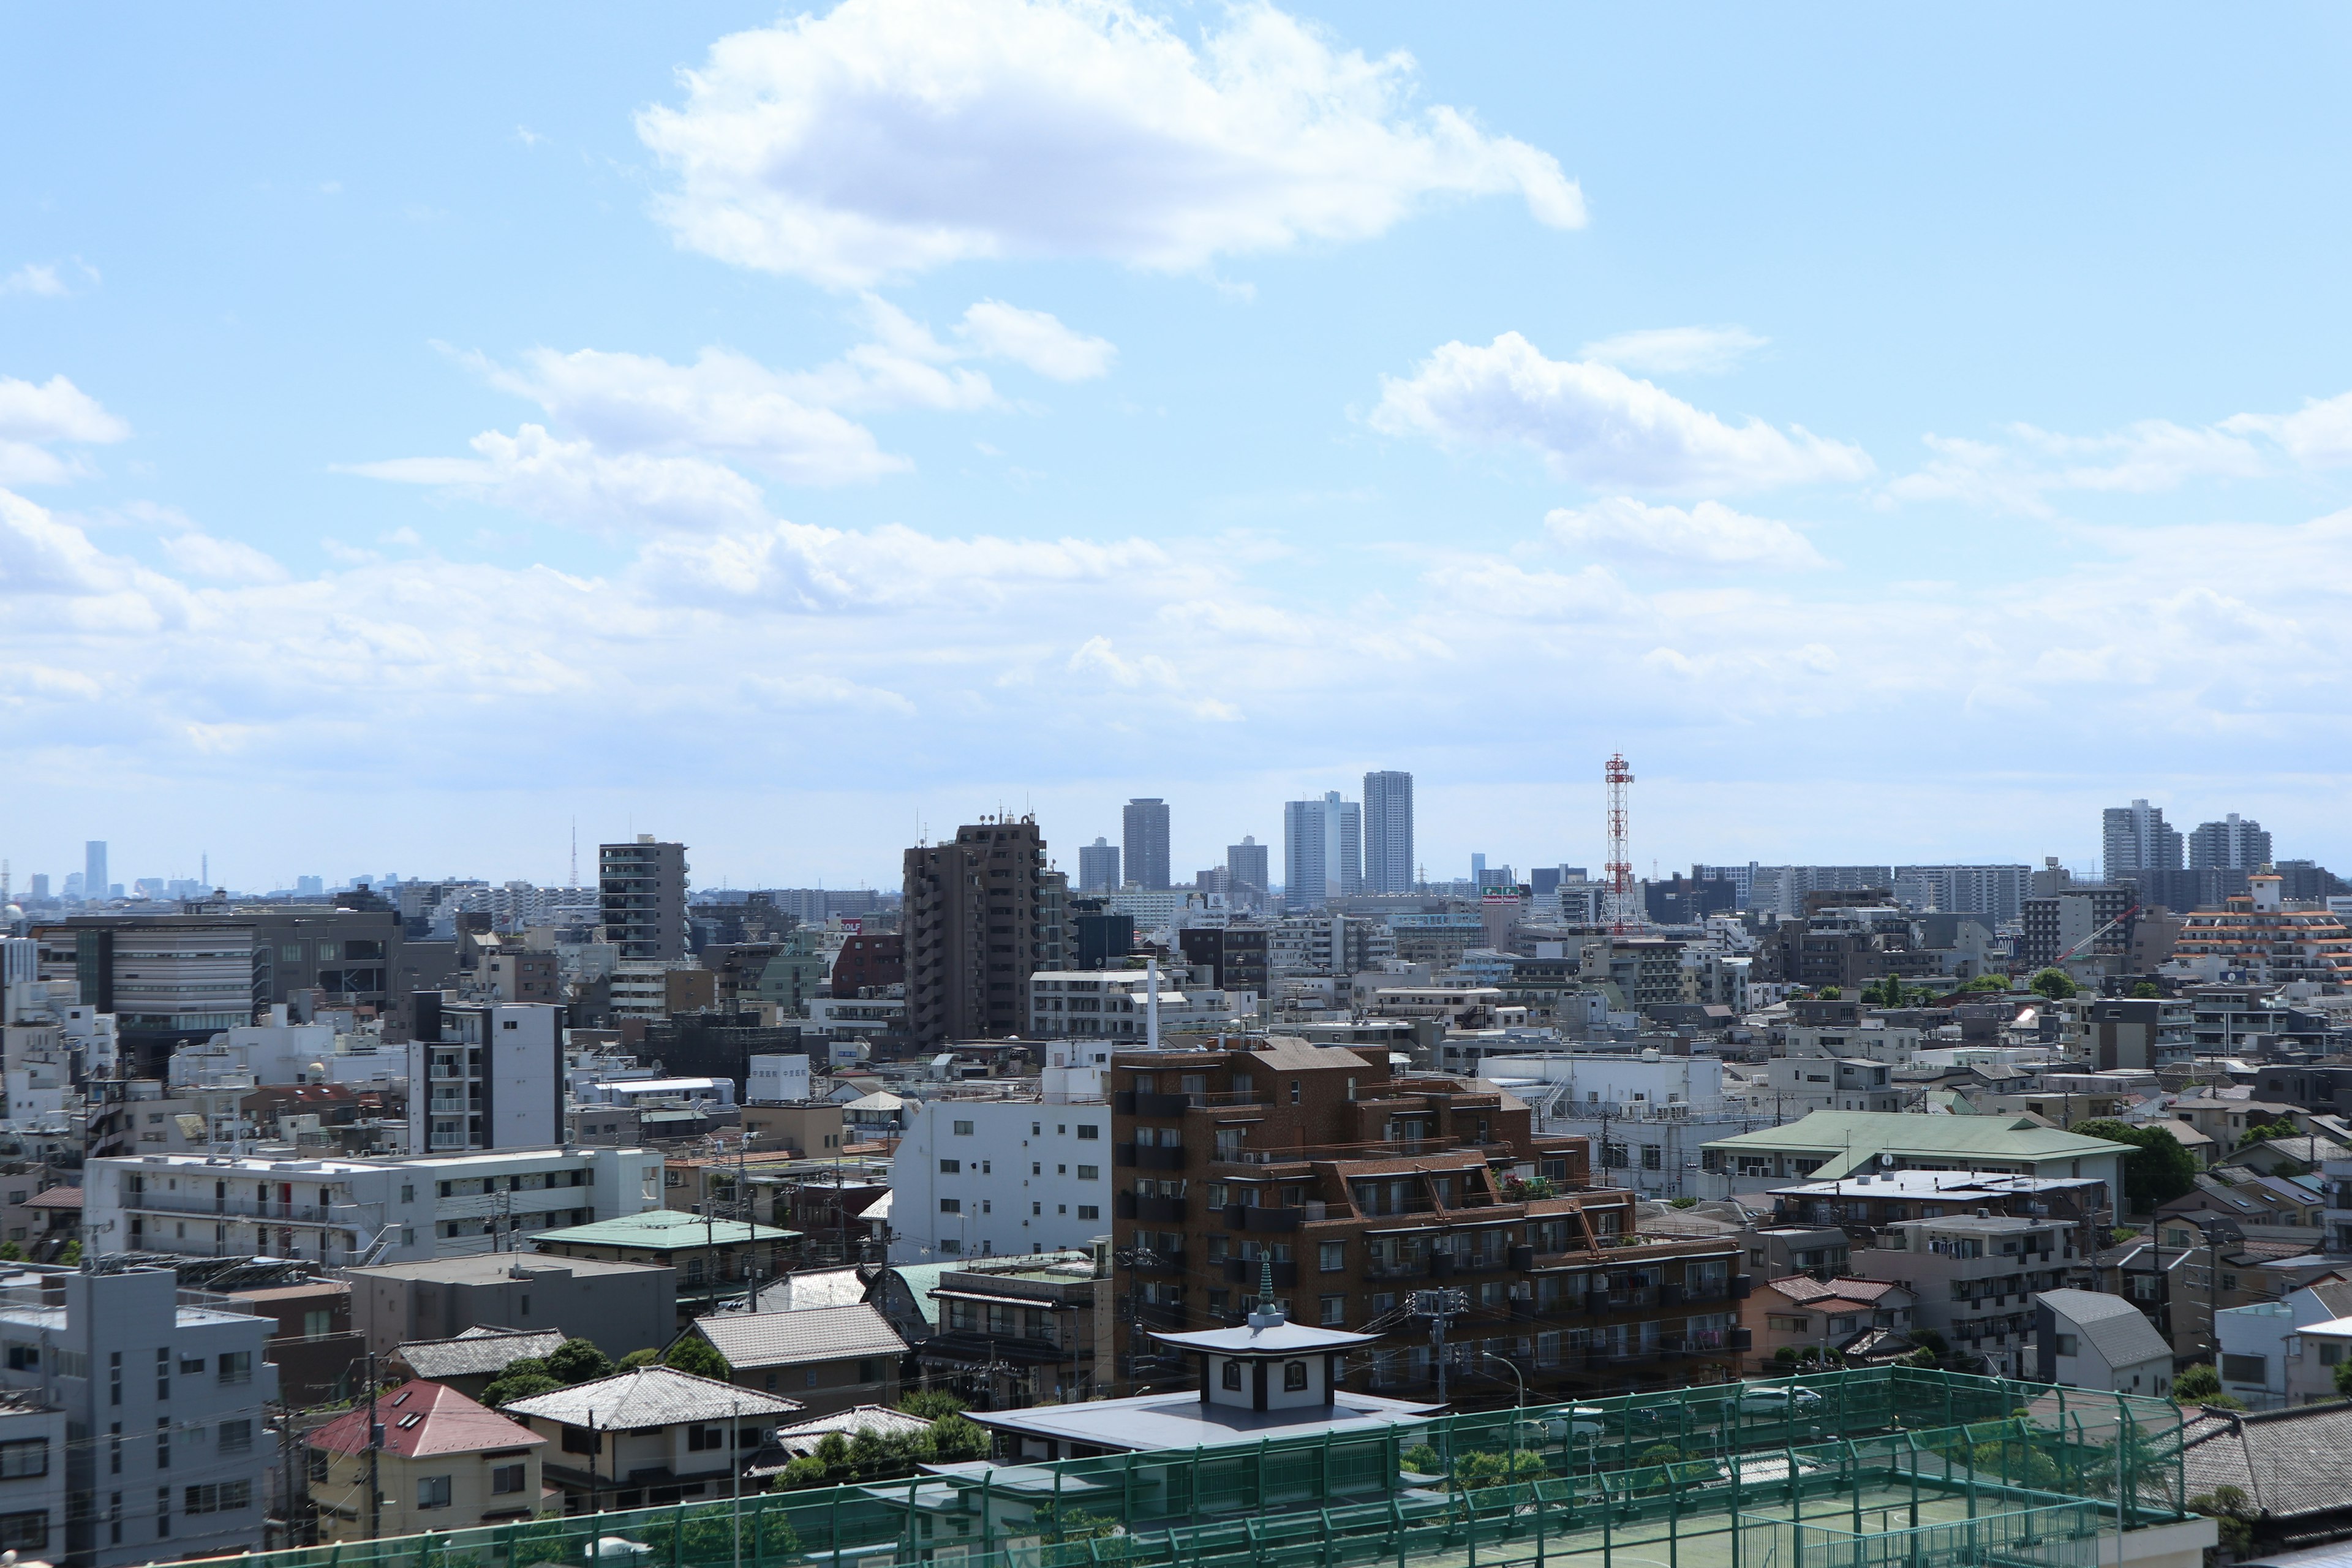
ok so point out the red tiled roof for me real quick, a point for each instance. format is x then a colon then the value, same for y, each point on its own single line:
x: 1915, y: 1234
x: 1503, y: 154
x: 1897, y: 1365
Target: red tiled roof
x: 55, y: 1198
x: 425, y: 1418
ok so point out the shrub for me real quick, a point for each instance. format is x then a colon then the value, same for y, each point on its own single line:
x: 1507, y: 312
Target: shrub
x: 697, y: 1355
x: 578, y: 1361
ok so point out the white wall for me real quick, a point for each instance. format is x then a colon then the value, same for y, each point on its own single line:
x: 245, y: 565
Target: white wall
x: 1017, y: 1184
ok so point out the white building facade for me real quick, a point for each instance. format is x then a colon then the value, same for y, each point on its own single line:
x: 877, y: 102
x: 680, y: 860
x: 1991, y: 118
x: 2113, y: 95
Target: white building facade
x: 485, y: 1075
x: 978, y: 1178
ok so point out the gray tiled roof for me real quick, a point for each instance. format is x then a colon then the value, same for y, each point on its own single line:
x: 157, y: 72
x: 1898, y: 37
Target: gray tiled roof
x: 2289, y: 1461
x: 758, y: 1340
x: 649, y: 1396
x: 477, y: 1352
x: 2118, y: 1331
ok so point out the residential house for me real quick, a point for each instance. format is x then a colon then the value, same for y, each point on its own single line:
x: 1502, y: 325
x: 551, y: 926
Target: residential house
x: 1859, y: 1320
x: 2267, y: 1357
x: 1022, y: 1335
x: 2087, y: 1339
x: 2283, y: 1156
x: 710, y: 1258
x: 822, y: 1358
x: 443, y: 1463
x: 473, y: 1360
x: 1975, y: 1276
x: 648, y: 1438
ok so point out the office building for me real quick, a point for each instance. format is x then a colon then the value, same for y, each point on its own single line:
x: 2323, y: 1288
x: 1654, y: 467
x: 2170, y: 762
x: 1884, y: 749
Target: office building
x: 1235, y: 955
x: 971, y: 924
x: 1322, y: 850
x: 1144, y: 828
x: 1247, y: 876
x: 974, y: 1178
x: 1998, y: 892
x: 93, y: 870
x: 1099, y: 867
x: 167, y: 1405
x: 2136, y: 837
x: 1388, y: 833
x: 641, y: 894
x: 485, y: 1075
x: 2234, y: 844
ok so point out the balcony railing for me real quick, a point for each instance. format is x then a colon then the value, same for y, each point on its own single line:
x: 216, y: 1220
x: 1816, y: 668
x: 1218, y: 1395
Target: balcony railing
x: 1246, y: 1272
x: 1242, y: 1217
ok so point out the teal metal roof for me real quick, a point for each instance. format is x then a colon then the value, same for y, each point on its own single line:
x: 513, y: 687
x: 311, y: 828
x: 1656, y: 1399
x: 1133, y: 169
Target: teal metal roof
x: 664, y: 1230
x: 1855, y: 1138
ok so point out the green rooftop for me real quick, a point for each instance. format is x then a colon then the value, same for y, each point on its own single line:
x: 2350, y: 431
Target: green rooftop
x: 665, y: 1230
x: 1857, y: 1137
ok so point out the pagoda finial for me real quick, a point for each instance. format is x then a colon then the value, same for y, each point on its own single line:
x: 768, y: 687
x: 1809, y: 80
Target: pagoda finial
x: 1268, y: 1314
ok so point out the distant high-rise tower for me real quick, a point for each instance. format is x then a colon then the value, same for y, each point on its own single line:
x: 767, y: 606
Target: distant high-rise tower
x: 1245, y: 872
x: 2134, y: 838
x: 1145, y: 831
x: 641, y: 888
x: 1322, y: 850
x: 2232, y: 844
x: 1099, y: 867
x: 94, y: 868
x: 1388, y: 833
x: 972, y: 927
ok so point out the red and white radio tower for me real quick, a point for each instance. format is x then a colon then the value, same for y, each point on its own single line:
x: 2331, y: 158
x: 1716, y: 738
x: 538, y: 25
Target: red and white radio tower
x: 1620, y: 859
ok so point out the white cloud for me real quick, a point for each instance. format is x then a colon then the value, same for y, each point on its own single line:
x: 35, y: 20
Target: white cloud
x: 724, y: 404
x: 34, y: 277
x: 2317, y: 436
x: 1706, y: 534
x: 887, y: 137
x: 35, y: 417
x: 1595, y: 423
x: 1036, y: 340
x: 1669, y: 351
x: 212, y: 560
x: 572, y: 483
x: 2020, y: 476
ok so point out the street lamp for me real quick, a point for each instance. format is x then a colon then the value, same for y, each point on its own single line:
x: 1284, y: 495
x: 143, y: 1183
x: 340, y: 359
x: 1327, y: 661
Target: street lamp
x: 1516, y: 1376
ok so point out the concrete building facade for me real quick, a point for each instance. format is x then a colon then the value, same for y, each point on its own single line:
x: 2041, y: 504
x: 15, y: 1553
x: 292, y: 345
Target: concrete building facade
x: 641, y: 893
x: 971, y: 920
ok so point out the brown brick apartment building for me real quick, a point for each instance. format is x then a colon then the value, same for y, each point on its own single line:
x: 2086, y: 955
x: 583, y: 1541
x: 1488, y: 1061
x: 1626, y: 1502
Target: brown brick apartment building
x: 1365, y: 1187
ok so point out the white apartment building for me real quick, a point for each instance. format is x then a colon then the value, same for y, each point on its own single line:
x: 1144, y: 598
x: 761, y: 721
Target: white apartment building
x: 353, y: 1212
x: 1871, y: 1038
x: 1648, y: 1116
x: 1116, y: 1003
x: 283, y: 1052
x: 853, y: 1017
x: 485, y: 1075
x: 976, y: 1178
x: 641, y: 985
x: 1976, y: 1277
x: 165, y: 1392
x: 33, y: 1456
x: 1800, y: 1084
x: 644, y: 1090
x: 778, y: 1080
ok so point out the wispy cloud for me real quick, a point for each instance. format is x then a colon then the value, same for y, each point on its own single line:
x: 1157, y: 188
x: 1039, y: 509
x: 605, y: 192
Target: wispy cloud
x: 1669, y: 351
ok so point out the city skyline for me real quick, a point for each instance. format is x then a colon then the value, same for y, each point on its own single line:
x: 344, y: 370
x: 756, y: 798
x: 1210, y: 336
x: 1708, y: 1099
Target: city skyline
x: 493, y: 429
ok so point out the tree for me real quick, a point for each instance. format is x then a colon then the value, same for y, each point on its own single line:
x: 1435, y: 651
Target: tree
x: 953, y: 1439
x: 524, y: 1376
x: 71, y: 1253
x: 2157, y: 1171
x: 1987, y: 983
x: 2263, y: 1131
x: 2055, y: 984
x: 697, y: 1355
x: 2145, y: 991
x: 2200, y: 1384
x: 11, y: 1253
x: 2228, y: 1507
x: 2344, y: 1378
x: 931, y: 1403
x: 578, y: 1361
x: 637, y: 1358
x: 1830, y: 992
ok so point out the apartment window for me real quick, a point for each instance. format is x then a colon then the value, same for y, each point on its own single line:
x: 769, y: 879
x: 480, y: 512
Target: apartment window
x: 1090, y: 1211
x: 963, y: 1129
x: 1335, y: 1311
x: 700, y: 1438
x: 1088, y: 1130
x: 1037, y: 1210
x: 1089, y: 1173
x: 2069, y: 1344
x: 236, y: 1366
x: 2243, y: 1368
x: 433, y: 1491
x: 2329, y: 1355
x: 506, y: 1478
x: 951, y: 1205
x: 1294, y: 1100
x: 24, y: 1532
x: 408, y: 1193
x: 163, y: 1512
x: 227, y: 1497
x: 163, y: 1443
x: 1333, y: 1257
x: 163, y: 1374
x: 190, y: 1365
x: 114, y: 1449
x: 25, y: 1456
x: 114, y: 1377
x: 235, y: 1437
x: 951, y: 1167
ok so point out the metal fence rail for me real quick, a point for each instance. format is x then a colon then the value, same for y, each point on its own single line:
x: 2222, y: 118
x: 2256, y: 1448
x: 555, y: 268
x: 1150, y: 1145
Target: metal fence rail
x: 1697, y: 1478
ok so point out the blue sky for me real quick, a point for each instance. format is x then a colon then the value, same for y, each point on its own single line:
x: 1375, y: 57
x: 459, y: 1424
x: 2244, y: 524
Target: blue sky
x: 1901, y: 434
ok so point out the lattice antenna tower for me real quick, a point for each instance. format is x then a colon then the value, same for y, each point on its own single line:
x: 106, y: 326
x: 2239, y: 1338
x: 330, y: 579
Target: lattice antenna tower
x: 1620, y: 859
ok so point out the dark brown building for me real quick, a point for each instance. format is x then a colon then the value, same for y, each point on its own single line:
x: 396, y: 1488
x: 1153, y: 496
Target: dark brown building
x: 869, y: 961
x: 1236, y: 956
x: 1363, y: 1189
x: 972, y: 932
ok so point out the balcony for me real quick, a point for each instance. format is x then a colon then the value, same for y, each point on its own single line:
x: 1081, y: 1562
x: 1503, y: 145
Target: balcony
x: 1246, y: 1272
x: 1241, y: 1218
x: 1147, y: 1157
x: 1411, y: 1266
x: 1159, y: 1260
x: 1160, y: 1211
x: 1160, y: 1106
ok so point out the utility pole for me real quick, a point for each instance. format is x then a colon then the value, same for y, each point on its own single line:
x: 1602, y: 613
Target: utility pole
x: 1439, y: 1306
x: 376, y: 1446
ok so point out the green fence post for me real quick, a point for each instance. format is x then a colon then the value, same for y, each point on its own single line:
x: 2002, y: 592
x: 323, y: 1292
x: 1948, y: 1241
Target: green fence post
x: 835, y: 1525
x: 1796, y: 1493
